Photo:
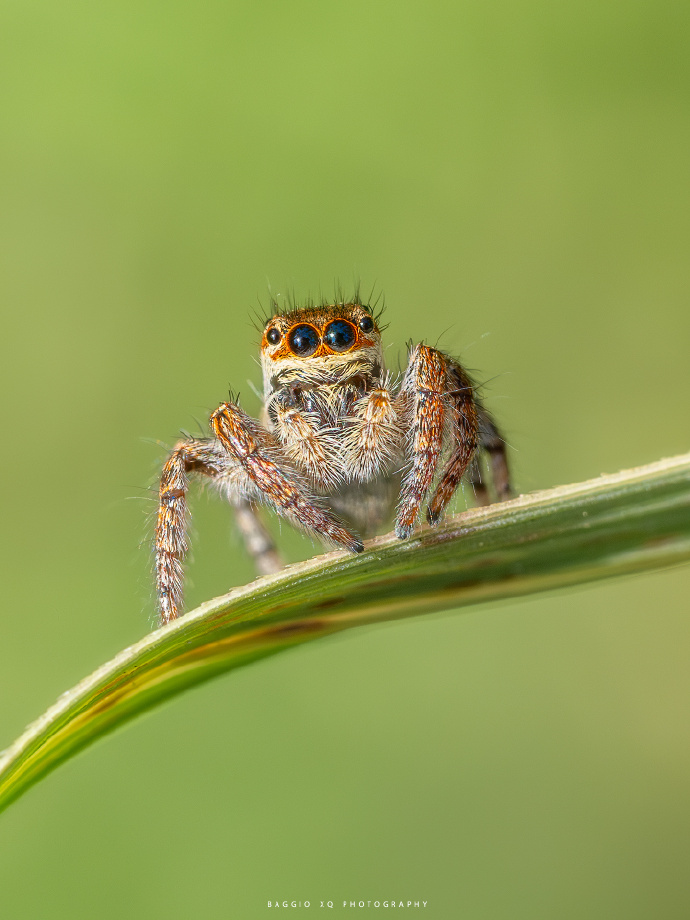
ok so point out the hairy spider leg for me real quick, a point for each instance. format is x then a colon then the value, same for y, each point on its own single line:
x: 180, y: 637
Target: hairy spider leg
x: 311, y: 446
x: 267, y: 559
x: 481, y: 493
x: 491, y: 440
x: 264, y: 463
x: 373, y: 435
x: 202, y: 457
x: 199, y: 456
x: 422, y: 400
x: 464, y: 439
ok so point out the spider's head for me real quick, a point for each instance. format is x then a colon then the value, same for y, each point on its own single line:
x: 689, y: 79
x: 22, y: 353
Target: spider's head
x: 321, y: 342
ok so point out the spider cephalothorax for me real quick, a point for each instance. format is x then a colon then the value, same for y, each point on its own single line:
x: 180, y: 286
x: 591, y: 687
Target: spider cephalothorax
x: 338, y: 444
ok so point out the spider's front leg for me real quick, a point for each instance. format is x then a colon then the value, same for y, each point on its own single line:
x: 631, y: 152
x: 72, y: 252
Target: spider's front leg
x: 436, y: 399
x: 275, y: 480
x: 206, y: 458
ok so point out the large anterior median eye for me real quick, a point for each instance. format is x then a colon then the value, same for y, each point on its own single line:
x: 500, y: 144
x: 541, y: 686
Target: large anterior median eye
x: 339, y: 335
x: 303, y: 341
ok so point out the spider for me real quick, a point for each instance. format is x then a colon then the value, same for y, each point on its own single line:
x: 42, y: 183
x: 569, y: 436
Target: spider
x: 339, y: 443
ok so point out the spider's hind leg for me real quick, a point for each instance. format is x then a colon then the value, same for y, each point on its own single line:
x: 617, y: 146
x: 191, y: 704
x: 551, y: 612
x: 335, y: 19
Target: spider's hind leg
x: 479, y: 489
x: 259, y: 543
x: 464, y: 458
x: 491, y: 441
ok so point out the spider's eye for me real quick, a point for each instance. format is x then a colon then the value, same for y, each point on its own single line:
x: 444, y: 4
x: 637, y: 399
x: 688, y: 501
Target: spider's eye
x: 303, y: 341
x: 339, y: 335
x: 273, y: 336
x: 366, y: 324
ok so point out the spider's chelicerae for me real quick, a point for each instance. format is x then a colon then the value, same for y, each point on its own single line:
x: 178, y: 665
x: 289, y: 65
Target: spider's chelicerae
x: 339, y: 443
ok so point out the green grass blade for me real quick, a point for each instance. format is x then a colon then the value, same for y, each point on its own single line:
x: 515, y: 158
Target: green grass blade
x: 629, y: 522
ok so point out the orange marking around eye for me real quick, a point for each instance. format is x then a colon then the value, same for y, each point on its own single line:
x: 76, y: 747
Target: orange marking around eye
x: 283, y: 350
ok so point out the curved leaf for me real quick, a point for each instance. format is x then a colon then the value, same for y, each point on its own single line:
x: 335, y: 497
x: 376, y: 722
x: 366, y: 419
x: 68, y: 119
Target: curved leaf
x: 628, y: 522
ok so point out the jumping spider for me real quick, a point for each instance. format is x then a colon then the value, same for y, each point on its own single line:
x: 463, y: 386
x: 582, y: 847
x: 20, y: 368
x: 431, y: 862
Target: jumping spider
x: 337, y: 445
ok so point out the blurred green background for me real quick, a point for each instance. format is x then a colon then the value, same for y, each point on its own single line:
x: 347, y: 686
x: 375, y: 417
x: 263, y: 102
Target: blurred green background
x: 514, y: 177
